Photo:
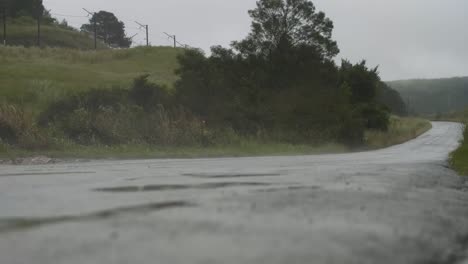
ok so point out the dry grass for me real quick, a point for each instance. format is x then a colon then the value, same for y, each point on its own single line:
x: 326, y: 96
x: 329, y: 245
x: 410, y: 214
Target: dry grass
x: 19, y: 128
x: 400, y: 131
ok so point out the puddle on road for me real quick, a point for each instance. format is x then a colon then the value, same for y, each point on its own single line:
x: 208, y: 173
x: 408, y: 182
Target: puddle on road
x: 46, y: 173
x: 173, y: 187
x: 14, y: 224
x: 231, y: 175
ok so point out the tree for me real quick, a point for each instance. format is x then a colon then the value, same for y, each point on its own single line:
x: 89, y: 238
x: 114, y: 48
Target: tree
x: 109, y: 28
x: 291, y: 22
x: 363, y: 85
x: 18, y: 8
x: 362, y: 81
x: 391, y: 99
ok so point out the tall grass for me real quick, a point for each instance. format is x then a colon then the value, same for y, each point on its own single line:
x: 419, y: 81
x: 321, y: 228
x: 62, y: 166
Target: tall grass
x: 19, y: 128
x: 459, y: 159
x: 35, y: 77
x: 400, y: 131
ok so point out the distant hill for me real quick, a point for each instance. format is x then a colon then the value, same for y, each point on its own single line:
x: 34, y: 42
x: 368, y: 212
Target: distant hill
x: 433, y: 96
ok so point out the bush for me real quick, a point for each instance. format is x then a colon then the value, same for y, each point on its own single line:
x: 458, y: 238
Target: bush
x: 375, y: 116
x: 148, y: 95
x: 120, y: 116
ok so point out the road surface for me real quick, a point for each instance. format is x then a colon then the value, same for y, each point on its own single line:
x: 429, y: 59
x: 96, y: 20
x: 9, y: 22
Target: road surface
x: 397, y: 205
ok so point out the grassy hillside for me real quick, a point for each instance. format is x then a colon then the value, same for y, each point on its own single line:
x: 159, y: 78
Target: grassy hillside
x: 433, y: 96
x: 51, y: 36
x: 34, y: 77
x: 22, y: 31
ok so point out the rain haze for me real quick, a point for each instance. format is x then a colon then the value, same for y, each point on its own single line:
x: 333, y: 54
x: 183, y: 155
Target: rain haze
x: 407, y: 39
x: 115, y: 151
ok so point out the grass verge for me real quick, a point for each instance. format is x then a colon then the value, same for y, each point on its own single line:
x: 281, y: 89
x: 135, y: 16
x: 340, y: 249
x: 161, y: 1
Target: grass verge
x: 246, y: 149
x: 400, y: 131
x: 459, y: 158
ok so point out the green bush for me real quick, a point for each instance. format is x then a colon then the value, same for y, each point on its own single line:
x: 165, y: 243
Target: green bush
x: 148, y: 95
x: 120, y: 116
x: 375, y: 116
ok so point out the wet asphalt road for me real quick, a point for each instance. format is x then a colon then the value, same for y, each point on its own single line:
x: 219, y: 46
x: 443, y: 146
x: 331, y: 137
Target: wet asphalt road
x: 397, y: 205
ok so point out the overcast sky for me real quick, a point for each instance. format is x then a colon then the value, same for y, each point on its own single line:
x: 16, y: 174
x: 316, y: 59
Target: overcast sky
x: 406, y: 38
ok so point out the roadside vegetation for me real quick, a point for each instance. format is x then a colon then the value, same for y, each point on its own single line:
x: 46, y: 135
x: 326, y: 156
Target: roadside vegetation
x: 400, y: 130
x: 459, y: 158
x: 278, y: 91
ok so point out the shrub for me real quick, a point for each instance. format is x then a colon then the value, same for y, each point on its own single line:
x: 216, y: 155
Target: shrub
x: 148, y: 95
x: 90, y: 101
x: 375, y: 117
x: 120, y: 116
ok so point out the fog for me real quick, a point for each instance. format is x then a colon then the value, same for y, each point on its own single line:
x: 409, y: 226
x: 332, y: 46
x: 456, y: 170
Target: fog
x: 407, y: 39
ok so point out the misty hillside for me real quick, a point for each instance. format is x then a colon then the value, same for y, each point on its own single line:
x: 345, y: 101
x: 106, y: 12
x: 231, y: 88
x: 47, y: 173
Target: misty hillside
x: 433, y: 96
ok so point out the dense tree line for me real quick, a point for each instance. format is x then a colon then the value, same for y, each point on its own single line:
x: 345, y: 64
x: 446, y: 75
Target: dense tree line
x: 434, y: 96
x: 17, y: 8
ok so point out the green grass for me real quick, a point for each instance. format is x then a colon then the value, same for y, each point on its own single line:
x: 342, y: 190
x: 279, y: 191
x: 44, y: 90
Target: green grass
x: 25, y: 34
x: 34, y: 77
x: 400, y: 131
x: 459, y: 158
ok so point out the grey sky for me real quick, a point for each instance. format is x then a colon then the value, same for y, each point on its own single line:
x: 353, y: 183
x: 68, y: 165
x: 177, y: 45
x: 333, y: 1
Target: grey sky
x: 407, y: 38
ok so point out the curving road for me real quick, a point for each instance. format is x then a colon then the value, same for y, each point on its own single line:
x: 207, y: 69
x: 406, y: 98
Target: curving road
x: 396, y: 205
